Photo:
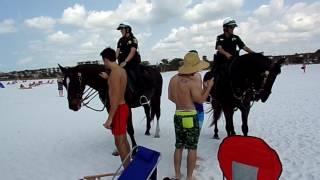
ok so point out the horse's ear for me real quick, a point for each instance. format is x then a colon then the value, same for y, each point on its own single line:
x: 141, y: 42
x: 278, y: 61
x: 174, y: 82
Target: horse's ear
x: 63, y: 69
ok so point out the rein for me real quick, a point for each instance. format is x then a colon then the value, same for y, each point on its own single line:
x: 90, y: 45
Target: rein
x: 243, y: 95
x: 91, y: 94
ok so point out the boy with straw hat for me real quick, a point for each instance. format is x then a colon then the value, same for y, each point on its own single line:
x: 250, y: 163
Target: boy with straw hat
x: 184, y: 90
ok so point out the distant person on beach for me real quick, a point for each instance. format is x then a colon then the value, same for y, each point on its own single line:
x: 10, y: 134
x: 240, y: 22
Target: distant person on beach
x: 60, y: 86
x: 184, y: 90
x: 303, y: 67
x: 24, y: 87
x: 118, y: 110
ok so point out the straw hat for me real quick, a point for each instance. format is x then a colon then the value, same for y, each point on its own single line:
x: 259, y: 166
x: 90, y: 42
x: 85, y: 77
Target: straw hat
x: 192, y: 64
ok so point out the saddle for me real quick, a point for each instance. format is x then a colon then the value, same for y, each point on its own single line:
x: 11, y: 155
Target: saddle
x: 139, y: 85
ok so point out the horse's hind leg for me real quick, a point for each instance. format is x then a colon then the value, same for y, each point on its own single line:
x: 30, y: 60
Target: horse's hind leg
x: 228, y: 114
x: 130, y: 129
x: 244, y: 116
x: 216, y: 135
x: 147, y: 112
x: 216, y: 116
x: 155, y: 110
x: 217, y: 109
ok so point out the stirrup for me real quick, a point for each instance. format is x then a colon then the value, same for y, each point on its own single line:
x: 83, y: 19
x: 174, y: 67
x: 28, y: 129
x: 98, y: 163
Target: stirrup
x: 144, y: 100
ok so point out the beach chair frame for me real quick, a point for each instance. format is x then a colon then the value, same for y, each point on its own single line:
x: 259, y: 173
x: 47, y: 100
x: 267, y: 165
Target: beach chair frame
x: 118, y: 172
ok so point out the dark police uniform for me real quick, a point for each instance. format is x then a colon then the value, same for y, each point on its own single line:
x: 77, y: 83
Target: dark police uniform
x: 132, y: 67
x: 230, y: 45
x: 125, y: 44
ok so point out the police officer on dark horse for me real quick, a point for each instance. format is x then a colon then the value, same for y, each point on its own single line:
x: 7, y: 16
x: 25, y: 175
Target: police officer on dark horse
x: 226, y: 46
x: 129, y: 58
x: 239, y: 80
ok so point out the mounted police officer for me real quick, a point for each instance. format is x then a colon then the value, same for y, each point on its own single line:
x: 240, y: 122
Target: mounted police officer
x: 226, y: 46
x: 129, y: 58
x: 127, y: 47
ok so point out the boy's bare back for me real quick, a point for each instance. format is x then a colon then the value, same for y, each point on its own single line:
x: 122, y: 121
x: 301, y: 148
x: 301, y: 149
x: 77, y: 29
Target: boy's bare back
x: 180, y: 91
x: 117, y: 84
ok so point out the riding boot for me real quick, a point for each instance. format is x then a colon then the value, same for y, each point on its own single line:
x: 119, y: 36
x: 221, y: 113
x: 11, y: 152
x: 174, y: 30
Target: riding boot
x: 131, y: 80
x: 237, y: 92
x: 140, y: 88
x: 139, y: 85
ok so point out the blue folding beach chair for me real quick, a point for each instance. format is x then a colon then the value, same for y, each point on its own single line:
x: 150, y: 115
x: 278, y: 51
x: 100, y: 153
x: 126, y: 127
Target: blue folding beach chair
x: 143, y: 166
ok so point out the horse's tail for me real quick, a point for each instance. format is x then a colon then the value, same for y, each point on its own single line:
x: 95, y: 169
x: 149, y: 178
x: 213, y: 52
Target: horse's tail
x: 156, y: 98
x: 217, y: 110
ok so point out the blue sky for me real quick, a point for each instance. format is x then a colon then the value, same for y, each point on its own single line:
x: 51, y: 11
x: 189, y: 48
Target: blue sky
x: 40, y: 33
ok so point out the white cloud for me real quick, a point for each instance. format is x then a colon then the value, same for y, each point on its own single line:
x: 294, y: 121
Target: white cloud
x: 270, y: 11
x: 164, y: 10
x: 132, y: 11
x: 24, y: 61
x: 99, y: 19
x: 42, y: 22
x: 180, y: 40
x: 208, y: 9
x: 280, y: 29
x: 136, y: 10
x: 93, y: 43
x: 274, y: 28
x: 7, y: 26
x: 290, y: 29
x: 303, y: 17
x: 277, y: 4
x: 74, y: 15
x: 143, y: 36
x: 60, y: 38
x: 139, y: 12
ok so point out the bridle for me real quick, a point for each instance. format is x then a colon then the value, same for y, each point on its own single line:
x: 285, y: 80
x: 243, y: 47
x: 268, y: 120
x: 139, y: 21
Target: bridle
x: 89, y: 94
x: 255, y: 93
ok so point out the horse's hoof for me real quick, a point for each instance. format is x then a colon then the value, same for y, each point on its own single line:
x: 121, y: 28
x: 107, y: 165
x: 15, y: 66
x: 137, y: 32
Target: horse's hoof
x: 156, y: 136
x: 147, y: 134
x: 115, y: 153
x: 216, y: 137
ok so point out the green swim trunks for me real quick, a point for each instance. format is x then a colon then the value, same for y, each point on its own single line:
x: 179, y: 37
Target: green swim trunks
x: 187, y: 130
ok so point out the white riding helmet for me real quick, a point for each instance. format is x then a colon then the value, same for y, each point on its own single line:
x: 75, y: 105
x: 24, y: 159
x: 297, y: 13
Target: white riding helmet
x: 229, y: 22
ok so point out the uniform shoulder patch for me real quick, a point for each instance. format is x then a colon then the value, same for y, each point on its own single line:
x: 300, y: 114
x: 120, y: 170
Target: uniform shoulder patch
x: 135, y: 41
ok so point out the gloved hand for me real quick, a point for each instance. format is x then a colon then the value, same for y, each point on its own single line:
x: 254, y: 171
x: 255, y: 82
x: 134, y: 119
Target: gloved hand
x: 123, y: 64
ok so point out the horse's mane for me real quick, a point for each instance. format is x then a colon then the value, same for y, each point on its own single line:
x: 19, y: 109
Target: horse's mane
x: 90, y: 68
x: 253, y: 63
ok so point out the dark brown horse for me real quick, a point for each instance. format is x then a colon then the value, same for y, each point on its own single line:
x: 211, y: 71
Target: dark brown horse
x: 245, y: 79
x: 77, y: 78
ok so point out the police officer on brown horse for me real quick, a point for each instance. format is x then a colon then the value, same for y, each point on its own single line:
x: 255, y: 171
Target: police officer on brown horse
x: 129, y: 58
